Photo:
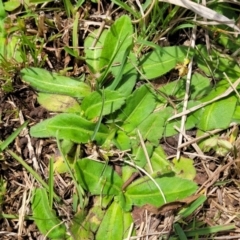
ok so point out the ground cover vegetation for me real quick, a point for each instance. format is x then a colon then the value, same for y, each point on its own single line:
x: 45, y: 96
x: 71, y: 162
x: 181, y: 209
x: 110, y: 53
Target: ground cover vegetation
x: 119, y: 119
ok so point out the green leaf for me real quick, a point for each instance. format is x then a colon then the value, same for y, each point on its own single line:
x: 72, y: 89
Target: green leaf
x: 58, y: 103
x: 49, y: 82
x: 221, y: 146
x: 122, y: 141
x: 137, y: 108
x: 115, y: 224
x: 179, y: 231
x: 85, y: 225
x: 44, y: 217
x: 92, y: 104
x: 200, y: 86
x: 218, y: 114
x: 77, y: 226
x: 218, y: 63
x: 147, y: 193
x: 70, y: 127
x: 93, y: 55
x: 159, y: 62
x: 153, y: 126
x: 191, y: 122
x: 127, y: 172
x: 138, y: 152
x: 106, y: 56
x: 98, y: 178
x: 184, y: 168
x: 120, y: 35
x: 125, y: 76
x: 209, y: 230
x: 124, y: 201
x: 11, y: 49
x: 236, y: 115
x: 222, y: 36
x: 124, y: 5
x: 219, y: 89
x: 127, y: 83
x: 159, y: 161
x: 3, y: 14
x: 192, y: 207
x: 12, y: 5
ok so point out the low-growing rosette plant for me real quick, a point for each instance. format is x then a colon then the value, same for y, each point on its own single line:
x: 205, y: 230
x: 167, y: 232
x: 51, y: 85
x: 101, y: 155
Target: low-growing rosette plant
x: 121, y: 123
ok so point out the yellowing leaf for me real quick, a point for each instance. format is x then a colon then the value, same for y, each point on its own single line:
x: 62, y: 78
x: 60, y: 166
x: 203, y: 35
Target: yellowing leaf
x: 58, y: 103
x: 184, y: 168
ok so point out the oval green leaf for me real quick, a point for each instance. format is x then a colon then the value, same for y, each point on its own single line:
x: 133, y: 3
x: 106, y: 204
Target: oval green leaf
x: 92, y: 104
x: 161, y: 61
x: 97, y: 178
x: 115, y: 224
x: 69, y: 126
x: 118, y: 39
x: 218, y: 115
x: 137, y: 108
x: 58, y: 103
x: 173, y: 188
x: 153, y: 126
x: 93, y: 54
x: 44, y: 217
x: 49, y: 82
x: 184, y: 168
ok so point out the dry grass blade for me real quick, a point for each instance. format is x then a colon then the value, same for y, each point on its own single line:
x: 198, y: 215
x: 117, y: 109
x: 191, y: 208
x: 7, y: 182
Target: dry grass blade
x: 204, y: 12
x: 150, y: 177
x: 225, y: 94
x: 145, y: 151
x: 187, y: 94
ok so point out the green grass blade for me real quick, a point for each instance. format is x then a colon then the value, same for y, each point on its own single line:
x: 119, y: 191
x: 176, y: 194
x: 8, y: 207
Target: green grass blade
x: 100, y: 117
x: 30, y: 170
x: 68, y: 7
x: 118, y: 78
x: 209, y: 230
x: 126, y: 7
x: 50, y: 183
x: 179, y: 232
x: 79, y: 4
x: 11, y: 138
x: 192, y: 207
x: 3, y: 14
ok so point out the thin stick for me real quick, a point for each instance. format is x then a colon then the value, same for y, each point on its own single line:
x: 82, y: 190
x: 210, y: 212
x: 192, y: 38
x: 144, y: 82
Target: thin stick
x: 233, y: 87
x: 193, y: 109
x: 206, y: 34
x: 149, y: 176
x: 186, y: 97
x: 147, y: 13
x: 198, y: 150
x: 145, y: 151
x: 130, y: 232
x: 102, y: 25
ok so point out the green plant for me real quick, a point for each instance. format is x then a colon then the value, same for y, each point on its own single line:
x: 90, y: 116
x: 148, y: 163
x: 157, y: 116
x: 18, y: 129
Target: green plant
x: 18, y: 48
x: 106, y: 111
